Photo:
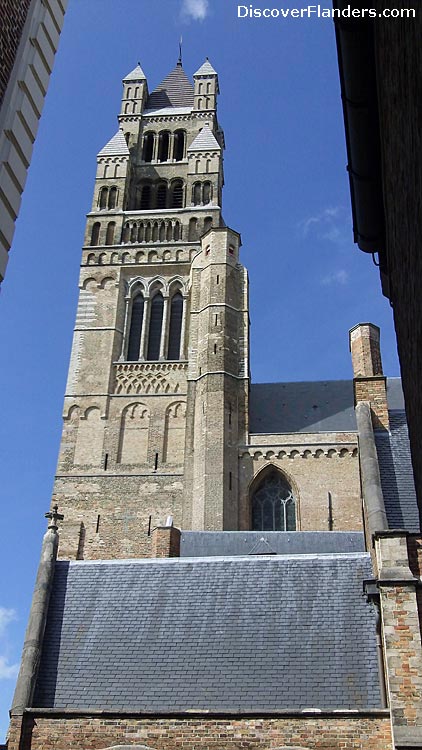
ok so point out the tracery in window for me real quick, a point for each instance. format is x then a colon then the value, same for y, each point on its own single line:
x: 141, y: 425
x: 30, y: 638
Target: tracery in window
x: 273, y: 504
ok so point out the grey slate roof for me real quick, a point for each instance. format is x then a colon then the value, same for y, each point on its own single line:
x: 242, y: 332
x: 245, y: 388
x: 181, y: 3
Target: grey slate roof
x: 205, y: 141
x: 396, y: 472
x: 175, y: 91
x: 222, y: 543
x: 216, y: 634
x: 324, y: 406
x: 137, y: 74
x: 206, y: 69
x: 116, y: 146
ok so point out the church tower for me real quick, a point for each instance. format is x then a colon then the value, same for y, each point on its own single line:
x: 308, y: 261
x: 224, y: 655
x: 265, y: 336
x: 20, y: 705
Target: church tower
x: 156, y: 399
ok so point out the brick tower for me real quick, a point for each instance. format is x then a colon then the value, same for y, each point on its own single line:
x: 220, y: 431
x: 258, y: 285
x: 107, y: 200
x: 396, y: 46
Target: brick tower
x: 156, y: 396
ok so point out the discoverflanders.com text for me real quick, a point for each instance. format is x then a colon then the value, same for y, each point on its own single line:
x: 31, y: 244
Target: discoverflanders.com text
x: 317, y: 11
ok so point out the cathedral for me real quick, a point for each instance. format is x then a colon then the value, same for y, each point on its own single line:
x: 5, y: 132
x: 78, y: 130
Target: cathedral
x: 227, y: 564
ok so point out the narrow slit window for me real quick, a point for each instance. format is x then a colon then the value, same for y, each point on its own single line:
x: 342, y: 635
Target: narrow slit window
x: 175, y: 329
x: 155, y: 326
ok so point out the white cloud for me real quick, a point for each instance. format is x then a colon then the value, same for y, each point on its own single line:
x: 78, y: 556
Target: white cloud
x: 340, y: 277
x: 331, y: 225
x: 196, y: 10
x: 7, y: 671
x: 6, y: 617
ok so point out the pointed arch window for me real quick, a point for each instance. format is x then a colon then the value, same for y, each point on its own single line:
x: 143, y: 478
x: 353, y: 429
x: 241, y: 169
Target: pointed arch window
x: 273, y: 504
x: 175, y: 328
x: 155, y: 326
x: 135, y: 328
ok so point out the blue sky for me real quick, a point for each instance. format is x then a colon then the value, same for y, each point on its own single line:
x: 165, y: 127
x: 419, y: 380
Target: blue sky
x: 286, y: 193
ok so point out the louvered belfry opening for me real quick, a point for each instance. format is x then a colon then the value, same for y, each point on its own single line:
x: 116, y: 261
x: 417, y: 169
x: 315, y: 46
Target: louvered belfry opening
x: 155, y: 326
x: 135, y: 328
x: 177, y: 194
x: 175, y: 329
x: 162, y: 196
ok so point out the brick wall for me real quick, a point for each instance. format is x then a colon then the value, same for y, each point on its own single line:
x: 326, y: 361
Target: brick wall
x: 399, y: 66
x: 13, y: 15
x: 320, y: 733
x: 373, y: 389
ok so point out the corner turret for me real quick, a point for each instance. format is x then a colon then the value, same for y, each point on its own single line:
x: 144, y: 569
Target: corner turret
x: 205, y: 87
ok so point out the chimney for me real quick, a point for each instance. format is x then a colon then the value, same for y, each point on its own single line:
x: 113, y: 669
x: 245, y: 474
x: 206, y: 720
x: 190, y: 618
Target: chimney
x: 166, y: 540
x: 369, y: 382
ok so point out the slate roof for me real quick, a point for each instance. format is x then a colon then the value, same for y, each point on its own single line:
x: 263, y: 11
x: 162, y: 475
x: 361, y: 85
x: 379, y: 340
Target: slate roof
x: 116, y: 146
x: 396, y: 472
x: 206, y: 69
x: 137, y: 74
x: 205, y: 141
x: 322, y: 406
x: 222, y: 543
x: 175, y: 91
x: 216, y: 634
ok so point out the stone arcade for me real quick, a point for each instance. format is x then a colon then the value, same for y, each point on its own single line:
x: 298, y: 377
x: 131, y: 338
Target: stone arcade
x: 239, y: 564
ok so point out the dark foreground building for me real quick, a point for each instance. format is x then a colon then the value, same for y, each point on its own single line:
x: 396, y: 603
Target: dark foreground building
x: 380, y: 64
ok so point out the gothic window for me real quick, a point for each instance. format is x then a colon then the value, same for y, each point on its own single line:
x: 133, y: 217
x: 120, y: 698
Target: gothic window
x: 162, y: 196
x: 146, y: 198
x: 135, y: 328
x: 155, y: 326
x: 148, y: 147
x: 112, y: 197
x: 95, y: 233
x: 206, y: 193
x: 163, y: 146
x: 177, y: 194
x: 111, y: 226
x: 175, y: 329
x: 196, y: 194
x: 179, y: 145
x: 273, y: 504
x: 103, y: 198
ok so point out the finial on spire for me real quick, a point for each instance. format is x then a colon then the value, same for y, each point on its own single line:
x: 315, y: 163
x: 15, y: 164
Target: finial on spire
x: 53, y: 516
x: 179, y: 62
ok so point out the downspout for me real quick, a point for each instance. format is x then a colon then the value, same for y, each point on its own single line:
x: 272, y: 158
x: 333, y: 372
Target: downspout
x: 34, y: 635
x: 371, y: 480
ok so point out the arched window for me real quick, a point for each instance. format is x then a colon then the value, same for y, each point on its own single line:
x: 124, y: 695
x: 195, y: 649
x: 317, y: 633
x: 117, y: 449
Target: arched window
x: 127, y: 136
x: 196, y: 194
x: 148, y: 147
x: 126, y: 233
x: 155, y: 326
x: 135, y: 328
x: 137, y: 92
x: 112, y: 197
x: 129, y: 92
x: 111, y: 226
x: 175, y: 329
x: 163, y: 146
x: 162, y: 196
x: 95, y: 233
x: 206, y: 193
x: 176, y: 232
x: 177, y: 194
x: 207, y: 224
x: 179, y: 145
x: 273, y: 504
x: 103, y: 197
x: 146, y: 198
x: 193, y: 230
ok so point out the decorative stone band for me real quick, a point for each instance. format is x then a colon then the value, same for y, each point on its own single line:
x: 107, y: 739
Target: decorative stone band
x: 150, y: 378
x: 301, y: 451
